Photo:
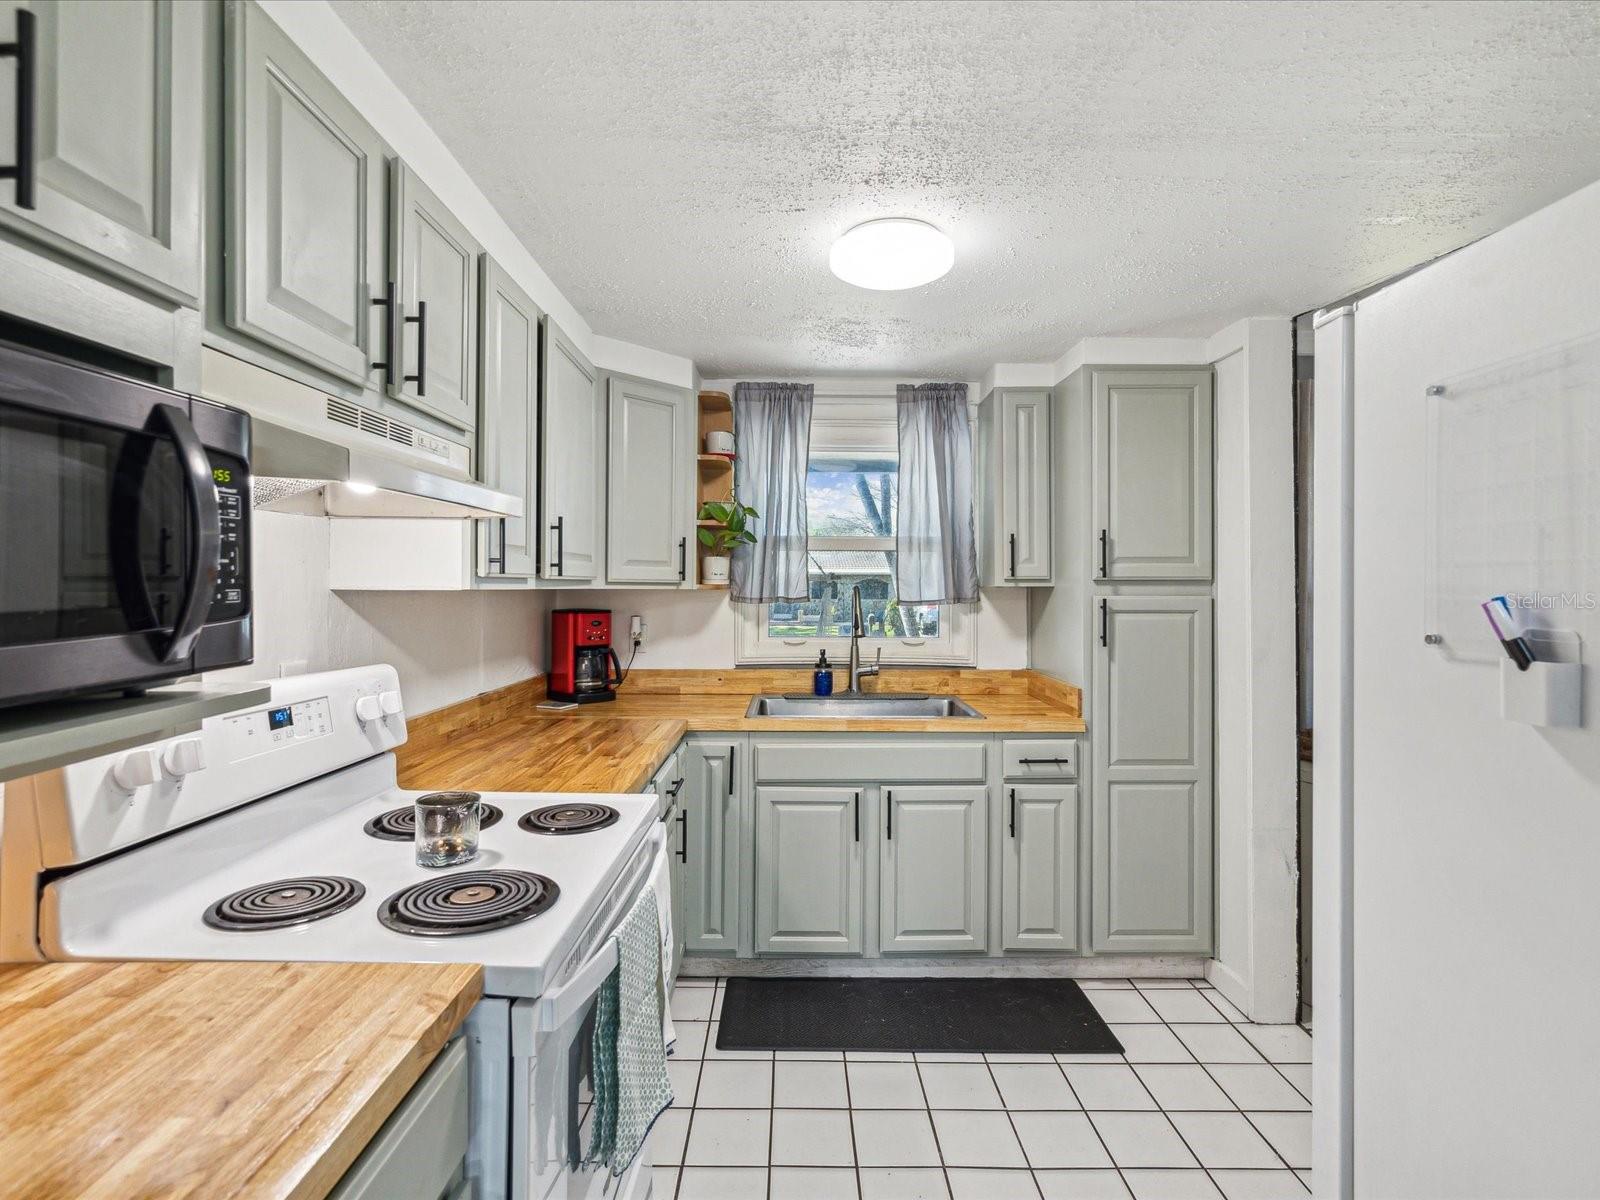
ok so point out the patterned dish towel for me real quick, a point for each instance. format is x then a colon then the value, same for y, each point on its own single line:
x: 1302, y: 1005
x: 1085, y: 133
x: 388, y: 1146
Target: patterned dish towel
x: 630, y: 1060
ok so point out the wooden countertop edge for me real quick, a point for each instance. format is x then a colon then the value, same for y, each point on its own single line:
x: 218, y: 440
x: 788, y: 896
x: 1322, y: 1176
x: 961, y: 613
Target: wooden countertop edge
x: 329, y: 1164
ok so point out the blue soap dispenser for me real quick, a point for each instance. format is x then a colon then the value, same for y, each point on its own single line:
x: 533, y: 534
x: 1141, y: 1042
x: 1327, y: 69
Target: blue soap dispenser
x: 822, y: 677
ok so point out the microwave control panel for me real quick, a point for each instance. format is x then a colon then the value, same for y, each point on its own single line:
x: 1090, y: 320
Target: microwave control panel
x: 231, y: 478
x: 264, y: 729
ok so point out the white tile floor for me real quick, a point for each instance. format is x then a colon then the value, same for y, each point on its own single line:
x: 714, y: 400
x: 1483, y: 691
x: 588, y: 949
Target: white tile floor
x: 1201, y: 1106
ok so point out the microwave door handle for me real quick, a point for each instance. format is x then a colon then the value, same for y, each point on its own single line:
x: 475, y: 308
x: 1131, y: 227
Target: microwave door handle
x: 201, y: 585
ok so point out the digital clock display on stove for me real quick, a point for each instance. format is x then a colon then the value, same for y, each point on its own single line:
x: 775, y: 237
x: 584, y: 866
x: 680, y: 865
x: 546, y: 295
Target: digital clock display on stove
x: 280, y: 718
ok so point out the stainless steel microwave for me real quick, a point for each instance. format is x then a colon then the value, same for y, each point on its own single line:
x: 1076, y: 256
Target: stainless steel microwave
x: 124, y: 531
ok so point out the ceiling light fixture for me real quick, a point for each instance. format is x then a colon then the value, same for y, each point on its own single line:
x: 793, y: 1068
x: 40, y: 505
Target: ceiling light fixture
x: 891, y: 254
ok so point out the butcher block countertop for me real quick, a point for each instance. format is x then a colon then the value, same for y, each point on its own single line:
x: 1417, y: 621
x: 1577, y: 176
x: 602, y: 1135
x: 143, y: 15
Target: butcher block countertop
x: 210, y: 1081
x: 501, y: 742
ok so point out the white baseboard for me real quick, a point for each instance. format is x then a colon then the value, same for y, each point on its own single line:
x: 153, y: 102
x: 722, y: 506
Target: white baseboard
x: 1139, y: 966
x: 1233, y: 986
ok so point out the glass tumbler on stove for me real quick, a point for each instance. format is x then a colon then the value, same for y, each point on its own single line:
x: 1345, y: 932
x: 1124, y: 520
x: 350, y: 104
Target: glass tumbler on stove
x: 447, y: 828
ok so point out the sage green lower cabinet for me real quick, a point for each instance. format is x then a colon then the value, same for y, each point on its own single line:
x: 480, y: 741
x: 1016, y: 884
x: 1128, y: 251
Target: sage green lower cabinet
x: 711, y: 838
x: 933, y: 884
x: 1039, y: 867
x: 808, y: 870
x: 1151, y: 729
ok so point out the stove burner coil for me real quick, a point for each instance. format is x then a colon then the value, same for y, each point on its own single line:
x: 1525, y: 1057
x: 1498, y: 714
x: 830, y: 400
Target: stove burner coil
x: 575, y: 817
x: 400, y: 824
x: 284, y: 902
x: 468, y: 902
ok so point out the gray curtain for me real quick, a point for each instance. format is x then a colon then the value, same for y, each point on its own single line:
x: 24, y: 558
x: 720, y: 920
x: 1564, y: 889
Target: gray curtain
x: 772, y: 442
x: 936, y: 549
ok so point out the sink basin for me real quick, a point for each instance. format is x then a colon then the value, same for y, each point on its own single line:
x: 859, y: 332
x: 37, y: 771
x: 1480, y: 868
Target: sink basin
x: 876, y: 705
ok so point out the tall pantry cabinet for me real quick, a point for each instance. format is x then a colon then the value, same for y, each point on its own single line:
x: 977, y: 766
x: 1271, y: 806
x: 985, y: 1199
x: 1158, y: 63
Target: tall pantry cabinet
x: 1137, y: 444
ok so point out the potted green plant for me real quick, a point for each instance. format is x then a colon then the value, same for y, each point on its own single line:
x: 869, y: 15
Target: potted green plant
x: 732, y: 529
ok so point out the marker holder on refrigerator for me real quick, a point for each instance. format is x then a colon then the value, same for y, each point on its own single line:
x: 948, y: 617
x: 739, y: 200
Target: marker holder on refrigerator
x: 1550, y: 691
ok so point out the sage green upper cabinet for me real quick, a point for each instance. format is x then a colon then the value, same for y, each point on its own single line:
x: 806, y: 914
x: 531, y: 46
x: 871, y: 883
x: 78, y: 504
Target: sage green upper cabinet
x: 1153, y: 474
x: 710, y: 805
x: 117, y: 130
x: 569, y: 459
x: 1152, y: 740
x: 1014, y: 430
x: 808, y: 870
x: 648, y: 498
x: 1039, y: 867
x: 434, y: 332
x: 305, y: 183
x: 933, y: 884
x: 508, y: 448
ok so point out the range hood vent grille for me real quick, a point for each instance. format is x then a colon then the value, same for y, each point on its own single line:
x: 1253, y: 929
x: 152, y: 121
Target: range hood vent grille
x: 342, y: 412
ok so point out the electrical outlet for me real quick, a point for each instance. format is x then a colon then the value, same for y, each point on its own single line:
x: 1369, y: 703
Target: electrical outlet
x: 636, y: 630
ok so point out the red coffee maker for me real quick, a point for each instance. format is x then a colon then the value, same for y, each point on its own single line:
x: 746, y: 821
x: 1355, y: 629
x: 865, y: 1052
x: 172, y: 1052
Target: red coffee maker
x: 581, y: 657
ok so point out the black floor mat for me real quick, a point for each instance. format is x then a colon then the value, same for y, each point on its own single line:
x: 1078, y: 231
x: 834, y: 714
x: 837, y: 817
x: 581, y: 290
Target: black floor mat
x: 997, y: 1016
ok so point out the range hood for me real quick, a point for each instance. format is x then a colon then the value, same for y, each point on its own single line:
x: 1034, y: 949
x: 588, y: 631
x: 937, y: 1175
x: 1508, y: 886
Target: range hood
x: 326, y: 456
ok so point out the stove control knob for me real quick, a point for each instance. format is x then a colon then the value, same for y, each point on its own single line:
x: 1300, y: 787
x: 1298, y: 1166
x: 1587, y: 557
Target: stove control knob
x: 390, y: 702
x: 185, y: 757
x: 137, y: 769
x: 368, y: 709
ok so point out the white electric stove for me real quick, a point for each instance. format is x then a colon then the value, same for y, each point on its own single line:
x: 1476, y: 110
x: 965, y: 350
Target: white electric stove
x: 278, y: 833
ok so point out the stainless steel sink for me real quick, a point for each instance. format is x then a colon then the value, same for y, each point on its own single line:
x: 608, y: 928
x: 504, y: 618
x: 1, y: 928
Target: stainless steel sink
x: 872, y: 704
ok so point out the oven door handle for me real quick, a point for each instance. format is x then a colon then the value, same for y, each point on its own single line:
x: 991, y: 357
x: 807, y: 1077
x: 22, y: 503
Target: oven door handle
x: 201, y: 586
x: 558, y: 1007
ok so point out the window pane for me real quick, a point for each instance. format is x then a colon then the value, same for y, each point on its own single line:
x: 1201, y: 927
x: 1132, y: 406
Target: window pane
x: 827, y: 613
x: 851, y: 497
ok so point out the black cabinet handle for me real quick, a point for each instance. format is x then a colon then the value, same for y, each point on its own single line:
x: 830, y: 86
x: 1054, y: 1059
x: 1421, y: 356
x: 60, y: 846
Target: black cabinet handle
x: 23, y: 50
x: 731, y: 749
x: 1103, y: 535
x: 674, y: 788
x: 559, y: 566
x: 1013, y: 812
x: 500, y: 559
x: 388, y: 303
x: 683, y: 559
x: 1028, y: 762
x: 421, y: 322
x: 683, y: 828
x: 1013, y: 540
x: 1103, y: 641
x: 888, y: 815
x: 855, y: 809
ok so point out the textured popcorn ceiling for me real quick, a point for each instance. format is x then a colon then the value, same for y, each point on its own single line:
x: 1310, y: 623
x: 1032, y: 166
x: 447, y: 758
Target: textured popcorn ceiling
x: 680, y: 170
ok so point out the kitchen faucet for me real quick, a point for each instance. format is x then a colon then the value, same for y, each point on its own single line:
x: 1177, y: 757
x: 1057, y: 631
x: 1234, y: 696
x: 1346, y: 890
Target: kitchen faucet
x: 857, y: 631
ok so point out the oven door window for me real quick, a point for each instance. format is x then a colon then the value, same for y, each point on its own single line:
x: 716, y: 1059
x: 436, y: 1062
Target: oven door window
x: 94, y: 529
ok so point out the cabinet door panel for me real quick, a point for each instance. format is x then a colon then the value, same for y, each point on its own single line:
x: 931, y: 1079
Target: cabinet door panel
x: 933, y: 882
x: 1025, y: 462
x: 1153, y: 776
x: 808, y: 870
x: 508, y: 450
x: 568, y: 459
x: 435, y: 262
x: 711, y: 875
x: 117, y: 137
x: 1153, y: 473
x: 647, y: 490
x: 305, y: 186
x: 1039, y: 867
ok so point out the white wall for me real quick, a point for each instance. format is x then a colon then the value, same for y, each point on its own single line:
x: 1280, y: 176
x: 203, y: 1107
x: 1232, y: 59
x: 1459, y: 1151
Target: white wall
x: 1475, y: 839
x: 447, y: 646
x: 328, y: 42
x: 700, y: 630
x: 1255, y: 964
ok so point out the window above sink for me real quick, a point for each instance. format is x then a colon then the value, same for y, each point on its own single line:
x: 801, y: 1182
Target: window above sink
x: 850, y: 494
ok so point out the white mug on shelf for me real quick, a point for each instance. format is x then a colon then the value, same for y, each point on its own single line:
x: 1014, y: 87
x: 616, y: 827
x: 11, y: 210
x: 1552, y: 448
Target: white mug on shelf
x: 719, y: 441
